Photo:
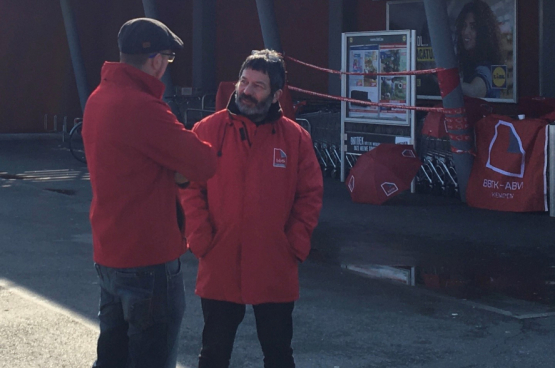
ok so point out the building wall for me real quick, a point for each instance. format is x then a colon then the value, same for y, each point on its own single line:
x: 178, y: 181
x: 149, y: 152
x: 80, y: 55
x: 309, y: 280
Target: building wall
x: 37, y: 77
x: 528, y: 48
x: 33, y: 64
x: 303, y: 28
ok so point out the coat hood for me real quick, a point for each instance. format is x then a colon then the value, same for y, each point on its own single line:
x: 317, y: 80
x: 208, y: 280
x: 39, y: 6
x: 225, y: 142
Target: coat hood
x: 130, y: 77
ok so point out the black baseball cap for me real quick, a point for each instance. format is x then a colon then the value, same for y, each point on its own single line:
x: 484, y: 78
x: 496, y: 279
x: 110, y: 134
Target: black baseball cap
x: 146, y: 36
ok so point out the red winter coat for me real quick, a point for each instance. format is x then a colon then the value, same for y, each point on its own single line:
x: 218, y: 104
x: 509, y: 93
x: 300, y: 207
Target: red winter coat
x: 251, y: 223
x: 134, y: 146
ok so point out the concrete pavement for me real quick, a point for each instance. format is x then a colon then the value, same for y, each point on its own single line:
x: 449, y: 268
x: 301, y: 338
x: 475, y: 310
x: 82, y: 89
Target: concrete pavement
x: 485, y: 317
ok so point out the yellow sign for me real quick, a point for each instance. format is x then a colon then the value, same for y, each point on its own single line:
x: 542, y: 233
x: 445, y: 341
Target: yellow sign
x: 499, y: 76
x: 424, y: 54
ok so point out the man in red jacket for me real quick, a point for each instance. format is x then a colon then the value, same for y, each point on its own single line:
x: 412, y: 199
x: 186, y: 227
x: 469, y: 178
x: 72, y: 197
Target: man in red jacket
x: 250, y: 224
x: 135, y: 147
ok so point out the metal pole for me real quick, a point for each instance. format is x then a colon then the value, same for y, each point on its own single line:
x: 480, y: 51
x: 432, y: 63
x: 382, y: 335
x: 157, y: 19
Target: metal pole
x: 151, y: 11
x: 412, y: 79
x: 268, y: 23
x: 204, y: 46
x: 75, y: 51
x: 547, y: 52
x: 444, y: 52
x: 551, y: 178
x: 344, y: 68
x: 335, y: 29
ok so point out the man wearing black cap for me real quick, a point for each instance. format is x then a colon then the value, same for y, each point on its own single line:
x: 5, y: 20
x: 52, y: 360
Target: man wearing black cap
x: 135, y: 149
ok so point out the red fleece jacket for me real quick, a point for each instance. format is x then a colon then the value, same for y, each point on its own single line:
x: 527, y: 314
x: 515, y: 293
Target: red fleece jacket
x: 134, y: 145
x: 251, y: 223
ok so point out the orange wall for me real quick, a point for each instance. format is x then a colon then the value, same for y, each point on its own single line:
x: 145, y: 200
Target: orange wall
x: 37, y: 76
x: 33, y: 63
x: 303, y: 27
x: 370, y: 15
x: 528, y: 48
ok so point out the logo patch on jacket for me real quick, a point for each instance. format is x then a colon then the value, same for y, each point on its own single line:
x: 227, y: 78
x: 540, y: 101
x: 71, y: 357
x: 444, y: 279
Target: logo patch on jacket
x: 280, y: 158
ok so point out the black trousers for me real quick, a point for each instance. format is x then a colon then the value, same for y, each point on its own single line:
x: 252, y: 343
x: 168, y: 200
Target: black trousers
x: 274, y: 326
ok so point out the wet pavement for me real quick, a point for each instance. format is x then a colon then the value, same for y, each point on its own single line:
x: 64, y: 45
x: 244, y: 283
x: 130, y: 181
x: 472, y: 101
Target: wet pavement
x: 483, y: 278
x: 455, y: 249
x: 459, y: 250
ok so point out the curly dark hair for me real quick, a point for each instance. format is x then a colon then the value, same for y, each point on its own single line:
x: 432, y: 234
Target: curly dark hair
x: 268, y: 62
x: 488, y: 36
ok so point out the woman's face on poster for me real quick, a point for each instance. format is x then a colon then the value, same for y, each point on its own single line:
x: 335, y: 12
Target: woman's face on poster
x: 468, y: 32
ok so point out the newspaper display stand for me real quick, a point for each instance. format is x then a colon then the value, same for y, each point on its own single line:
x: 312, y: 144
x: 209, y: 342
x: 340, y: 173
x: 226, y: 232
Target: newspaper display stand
x: 364, y: 126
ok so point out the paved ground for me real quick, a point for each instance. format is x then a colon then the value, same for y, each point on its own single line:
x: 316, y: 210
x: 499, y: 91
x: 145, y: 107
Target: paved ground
x: 490, y: 268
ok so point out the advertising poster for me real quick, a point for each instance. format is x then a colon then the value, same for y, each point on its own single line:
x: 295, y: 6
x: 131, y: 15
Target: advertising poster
x: 371, y: 54
x: 393, y: 58
x: 484, y: 37
x: 364, y: 59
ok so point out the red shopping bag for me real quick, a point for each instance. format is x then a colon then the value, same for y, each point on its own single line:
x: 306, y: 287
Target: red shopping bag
x: 509, y: 171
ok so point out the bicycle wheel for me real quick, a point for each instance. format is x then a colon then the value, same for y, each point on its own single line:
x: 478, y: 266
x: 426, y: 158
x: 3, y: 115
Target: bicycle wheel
x: 76, y: 145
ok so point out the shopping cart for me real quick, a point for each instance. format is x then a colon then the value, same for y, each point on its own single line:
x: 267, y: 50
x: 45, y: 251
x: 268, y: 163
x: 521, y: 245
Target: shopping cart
x: 437, y: 174
x: 325, y: 129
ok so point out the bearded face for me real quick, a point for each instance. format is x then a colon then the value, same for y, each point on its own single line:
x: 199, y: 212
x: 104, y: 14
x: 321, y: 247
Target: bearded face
x: 253, y: 95
x: 253, y: 108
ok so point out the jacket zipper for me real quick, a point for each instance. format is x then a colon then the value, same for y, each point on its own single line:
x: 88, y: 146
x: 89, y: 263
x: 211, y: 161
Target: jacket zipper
x: 247, y: 133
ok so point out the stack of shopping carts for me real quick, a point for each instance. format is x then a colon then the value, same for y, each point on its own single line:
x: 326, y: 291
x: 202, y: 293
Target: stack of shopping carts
x: 437, y: 174
x: 325, y: 129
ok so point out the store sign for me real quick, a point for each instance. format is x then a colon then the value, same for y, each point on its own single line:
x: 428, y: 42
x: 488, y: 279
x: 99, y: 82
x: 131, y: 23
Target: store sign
x: 358, y: 142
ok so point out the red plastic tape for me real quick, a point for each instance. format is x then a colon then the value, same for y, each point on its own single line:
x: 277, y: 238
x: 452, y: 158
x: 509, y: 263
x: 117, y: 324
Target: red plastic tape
x: 448, y: 80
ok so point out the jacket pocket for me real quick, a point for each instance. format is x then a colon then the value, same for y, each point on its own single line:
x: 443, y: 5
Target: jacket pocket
x: 288, y: 247
x: 136, y: 290
x: 200, y: 245
x: 210, y: 246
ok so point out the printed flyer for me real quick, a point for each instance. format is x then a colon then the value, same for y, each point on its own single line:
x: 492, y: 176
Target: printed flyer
x: 377, y: 54
x: 364, y: 59
x: 393, y: 58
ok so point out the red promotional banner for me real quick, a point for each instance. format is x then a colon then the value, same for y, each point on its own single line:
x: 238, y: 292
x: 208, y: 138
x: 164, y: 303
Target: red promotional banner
x: 509, y: 172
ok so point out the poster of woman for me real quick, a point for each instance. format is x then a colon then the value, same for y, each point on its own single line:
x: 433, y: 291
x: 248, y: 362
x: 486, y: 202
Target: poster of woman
x: 484, y: 37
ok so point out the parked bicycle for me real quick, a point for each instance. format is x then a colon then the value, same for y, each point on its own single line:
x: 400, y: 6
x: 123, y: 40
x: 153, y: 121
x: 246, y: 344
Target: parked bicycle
x: 76, y: 146
x: 190, y: 109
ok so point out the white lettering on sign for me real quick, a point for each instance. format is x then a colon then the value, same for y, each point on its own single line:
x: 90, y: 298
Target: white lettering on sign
x: 514, y: 185
x: 491, y: 184
x: 503, y: 195
x: 357, y: 140
x: 419, y: 41
x: 510, y: 185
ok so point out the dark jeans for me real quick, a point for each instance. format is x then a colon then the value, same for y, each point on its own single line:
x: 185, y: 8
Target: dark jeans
x: 274, y: 325
x: 140, y: 316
